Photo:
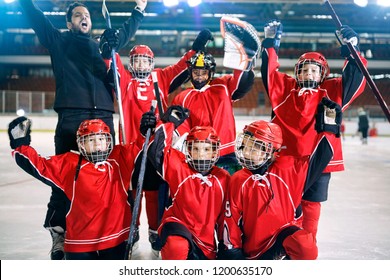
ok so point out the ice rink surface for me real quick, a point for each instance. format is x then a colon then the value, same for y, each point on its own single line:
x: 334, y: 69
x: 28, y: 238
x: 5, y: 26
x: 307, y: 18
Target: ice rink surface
x: 354, y: 225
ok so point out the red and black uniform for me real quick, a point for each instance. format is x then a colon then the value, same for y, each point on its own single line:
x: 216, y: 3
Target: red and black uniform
x: 99, y: 216
x: 294, y: 110
x: 213, y: 106
x: 259, y: 220
x: 137, y: 98
x: 197, y: 200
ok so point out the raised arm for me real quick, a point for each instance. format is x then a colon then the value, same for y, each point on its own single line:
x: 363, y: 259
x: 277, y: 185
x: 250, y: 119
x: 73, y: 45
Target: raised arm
x: 119, y: 38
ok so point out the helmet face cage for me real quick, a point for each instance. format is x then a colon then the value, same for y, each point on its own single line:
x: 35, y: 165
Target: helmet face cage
x: 251, y: 152
x: 94, y: 140
x: 201, y: 61
x: 95, y: 147
x: 202, y: 154
x: 202, y: 148
x: 314, y: 63
x: 141, y: 62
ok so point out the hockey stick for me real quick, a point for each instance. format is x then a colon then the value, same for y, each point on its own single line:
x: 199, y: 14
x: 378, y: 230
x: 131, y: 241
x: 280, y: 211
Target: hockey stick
x: 118, y: 94
x: 360, y: 64
x: 137, y: 201
x: 157, y: 93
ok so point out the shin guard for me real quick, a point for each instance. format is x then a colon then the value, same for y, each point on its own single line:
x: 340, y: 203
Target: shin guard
x: 311, y: 216
x: 175, y: 248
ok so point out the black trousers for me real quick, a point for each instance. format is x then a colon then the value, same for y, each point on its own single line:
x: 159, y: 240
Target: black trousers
x: 114, y: 253
x: 69, y: 121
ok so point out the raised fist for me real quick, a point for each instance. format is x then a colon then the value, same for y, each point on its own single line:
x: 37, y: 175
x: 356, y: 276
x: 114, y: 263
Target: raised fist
x: 347, y: 35
x: 201, y: 40
x: 108, y: 42
x: 175, y: 114
x: 19, y: 132
x: 148, y: 120
x: 273, y: 29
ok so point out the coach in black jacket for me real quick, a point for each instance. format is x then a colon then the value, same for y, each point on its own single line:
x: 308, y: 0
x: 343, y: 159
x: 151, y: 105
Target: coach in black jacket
x: 81, y: 89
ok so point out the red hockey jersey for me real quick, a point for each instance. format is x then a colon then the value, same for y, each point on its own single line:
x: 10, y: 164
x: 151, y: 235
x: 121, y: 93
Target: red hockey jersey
x: 99, y: 216
x: 197, y: 200
x: 212, y: 106
x: 259, y: 207
x: 137, y: 96
x: 294, y: 109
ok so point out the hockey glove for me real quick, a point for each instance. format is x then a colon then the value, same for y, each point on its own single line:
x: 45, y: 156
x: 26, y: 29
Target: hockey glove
x: 273, y: 33
x: 141, y: 4
x: 176, y: 114
x: 201, y: 40
x: 148, y: 120
x: 19, y: 132
x: 329, y: 117
x: 242, y: 44
x: 108, y: 41
x: 347, y: 35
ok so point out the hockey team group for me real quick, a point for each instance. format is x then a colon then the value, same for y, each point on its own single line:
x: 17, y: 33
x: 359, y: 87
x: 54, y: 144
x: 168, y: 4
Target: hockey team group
x: 211, y: 192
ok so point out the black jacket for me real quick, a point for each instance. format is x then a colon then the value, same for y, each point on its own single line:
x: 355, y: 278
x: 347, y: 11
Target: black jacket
x: 79, y: 69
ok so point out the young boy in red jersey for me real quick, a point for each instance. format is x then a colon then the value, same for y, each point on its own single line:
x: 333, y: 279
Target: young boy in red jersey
x: 96, y: 180
x: 298, y: 108
x: 197, y: 187
x: 262, y: 198
x: 211, y: 103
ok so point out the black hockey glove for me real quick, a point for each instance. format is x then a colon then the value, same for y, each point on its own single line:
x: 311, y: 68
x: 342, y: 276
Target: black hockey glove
x: 108, y: 41
x: 201, y: 40
x: 148, y: 120
x: 273, y: 33
x: 329, y: 117
x: 19, y: 132
x: 176, y: 114
x: 344, y: 35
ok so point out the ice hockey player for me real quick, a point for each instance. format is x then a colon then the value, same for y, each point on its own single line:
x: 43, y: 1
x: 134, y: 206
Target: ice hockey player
x: 259, y: 220
x: 96, y: 180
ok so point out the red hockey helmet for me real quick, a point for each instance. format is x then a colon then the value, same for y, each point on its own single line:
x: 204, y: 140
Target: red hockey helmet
x: 311, y: 58
x: 202, y: 148
x: 258, y: 143
x: 94, y: 140
x: 141, y: 62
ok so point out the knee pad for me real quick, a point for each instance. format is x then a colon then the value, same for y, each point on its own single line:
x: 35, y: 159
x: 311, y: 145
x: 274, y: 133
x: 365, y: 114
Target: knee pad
x: 301, y: 245
x: 175, y: 248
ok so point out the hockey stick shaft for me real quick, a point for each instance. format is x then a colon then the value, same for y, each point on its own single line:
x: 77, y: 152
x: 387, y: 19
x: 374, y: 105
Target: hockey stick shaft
x: 157, y: 93
x: 118, y: 93
x: 137, y: 200
x: 360, y: 64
